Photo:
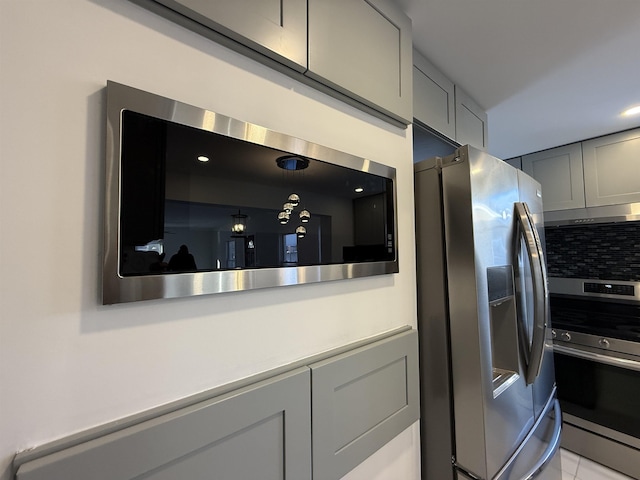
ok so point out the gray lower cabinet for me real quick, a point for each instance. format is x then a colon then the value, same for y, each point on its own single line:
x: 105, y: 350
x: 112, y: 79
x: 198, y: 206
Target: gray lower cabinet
x: 258, y: 432
x: 316, y: 419
x: 433, y: 97
x: 612, y: 169
x: 361, y: 400
x: 275, y: 28
x: 363, y: 48
x: 471, y: 121
x: 559, y: 171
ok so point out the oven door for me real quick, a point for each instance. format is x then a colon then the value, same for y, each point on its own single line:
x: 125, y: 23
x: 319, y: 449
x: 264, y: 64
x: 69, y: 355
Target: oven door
x: 599, y: 395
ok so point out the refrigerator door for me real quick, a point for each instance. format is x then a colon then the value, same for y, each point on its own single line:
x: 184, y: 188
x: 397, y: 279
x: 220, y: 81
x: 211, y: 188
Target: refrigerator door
x: 493, y: 404
x: 538, y: 456
x: 530, y: 193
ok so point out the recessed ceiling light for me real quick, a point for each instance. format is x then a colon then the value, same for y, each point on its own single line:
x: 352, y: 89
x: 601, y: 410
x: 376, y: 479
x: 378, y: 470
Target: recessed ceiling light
x: 632, y: 111
x: 203, y: 159
x: 359, y: 190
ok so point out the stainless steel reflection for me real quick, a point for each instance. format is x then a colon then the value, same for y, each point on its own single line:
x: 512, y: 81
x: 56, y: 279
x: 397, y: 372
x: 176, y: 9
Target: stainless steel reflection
x: 486, y: 353
x: 117, y: 289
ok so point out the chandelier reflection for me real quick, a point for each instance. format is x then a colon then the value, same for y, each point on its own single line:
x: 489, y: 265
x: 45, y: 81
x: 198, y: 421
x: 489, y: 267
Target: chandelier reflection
x: 293, y: 164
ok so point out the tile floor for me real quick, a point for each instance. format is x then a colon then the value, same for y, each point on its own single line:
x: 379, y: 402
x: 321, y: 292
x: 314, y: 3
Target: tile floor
x: 575, y: 467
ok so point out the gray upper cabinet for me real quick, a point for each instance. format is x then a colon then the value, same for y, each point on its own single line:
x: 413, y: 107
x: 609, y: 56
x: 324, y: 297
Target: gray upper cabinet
x: 612, y: 169
x: 445, y: 108
x: 359, y: 51
x: 559, y: 171
x: 363, y: 49
x: 471, y: 121
x: 433, y: 97
x: 275, y: 28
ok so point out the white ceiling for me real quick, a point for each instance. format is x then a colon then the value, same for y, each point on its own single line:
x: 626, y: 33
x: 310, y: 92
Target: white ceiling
x: 548, y: 72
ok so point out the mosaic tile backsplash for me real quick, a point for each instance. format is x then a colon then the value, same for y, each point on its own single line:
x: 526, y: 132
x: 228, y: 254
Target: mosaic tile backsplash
x: 606, y: 252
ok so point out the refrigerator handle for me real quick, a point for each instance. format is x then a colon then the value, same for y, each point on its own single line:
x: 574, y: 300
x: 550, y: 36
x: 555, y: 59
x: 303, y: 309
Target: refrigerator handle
x: 552, y: 448
x: 526, y: 230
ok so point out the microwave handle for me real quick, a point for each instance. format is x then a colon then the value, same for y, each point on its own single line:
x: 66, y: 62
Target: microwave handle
x: 526, y: 230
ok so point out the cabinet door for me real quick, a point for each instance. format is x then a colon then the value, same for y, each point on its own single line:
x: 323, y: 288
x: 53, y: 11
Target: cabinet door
x: 362, y: 48
x: 260, y: 431
x: 275, y: 28
x: 433, y: 97
x: 612, y: 169
x: 471, y: 121
x: 559, y: 171
x: 361, y: 400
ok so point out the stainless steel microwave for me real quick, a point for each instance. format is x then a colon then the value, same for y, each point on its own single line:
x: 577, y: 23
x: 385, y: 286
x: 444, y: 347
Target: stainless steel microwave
x: 200, y: 203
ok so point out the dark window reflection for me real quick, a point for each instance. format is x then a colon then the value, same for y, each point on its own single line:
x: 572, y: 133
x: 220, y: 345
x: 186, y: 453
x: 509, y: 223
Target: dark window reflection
x: 193, y: 200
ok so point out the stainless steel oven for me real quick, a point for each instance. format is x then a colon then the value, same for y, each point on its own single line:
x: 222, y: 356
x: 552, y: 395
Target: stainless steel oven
x: 596, y: 335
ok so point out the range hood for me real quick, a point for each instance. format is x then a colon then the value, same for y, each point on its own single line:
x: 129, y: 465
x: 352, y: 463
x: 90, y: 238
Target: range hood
x: 627, y: 212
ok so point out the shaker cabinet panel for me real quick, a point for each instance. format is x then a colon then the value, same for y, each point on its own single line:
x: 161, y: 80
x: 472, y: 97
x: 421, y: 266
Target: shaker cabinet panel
x: 362, y: 48
x: 612, y: 169
x: 259, y: 431
x: 360, y: 401
x: 559, y: 171
x: 275, y: 28
x: 433, y: 97
x: 471, y: 121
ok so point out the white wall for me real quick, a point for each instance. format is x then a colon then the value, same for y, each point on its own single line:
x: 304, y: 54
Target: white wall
x: 68, y: 363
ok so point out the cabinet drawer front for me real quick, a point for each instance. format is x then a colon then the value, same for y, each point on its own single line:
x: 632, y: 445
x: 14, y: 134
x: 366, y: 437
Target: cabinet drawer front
x: 612, y: 169
x: 363, y: 49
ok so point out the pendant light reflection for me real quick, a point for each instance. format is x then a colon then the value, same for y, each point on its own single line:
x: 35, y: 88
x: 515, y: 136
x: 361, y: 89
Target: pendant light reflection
x: 239, y: 226
x: 283, y: 218
x: 294, y: 199
x: 288, y: 207
x: 293, y: 164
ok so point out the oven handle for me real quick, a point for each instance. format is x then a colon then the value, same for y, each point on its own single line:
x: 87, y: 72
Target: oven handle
x: 526, y: 229
x: 598, y: 357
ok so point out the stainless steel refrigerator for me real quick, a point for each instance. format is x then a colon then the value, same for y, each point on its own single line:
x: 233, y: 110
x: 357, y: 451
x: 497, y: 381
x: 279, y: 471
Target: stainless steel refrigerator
x: 489, y: 408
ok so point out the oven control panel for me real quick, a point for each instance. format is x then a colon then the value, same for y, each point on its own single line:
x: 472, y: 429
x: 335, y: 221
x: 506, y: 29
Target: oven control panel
x: 561, y: 336
x: 609, y: 288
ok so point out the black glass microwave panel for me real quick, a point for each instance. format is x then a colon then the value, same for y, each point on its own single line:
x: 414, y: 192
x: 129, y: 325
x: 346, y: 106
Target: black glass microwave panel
x: 201, y: 203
